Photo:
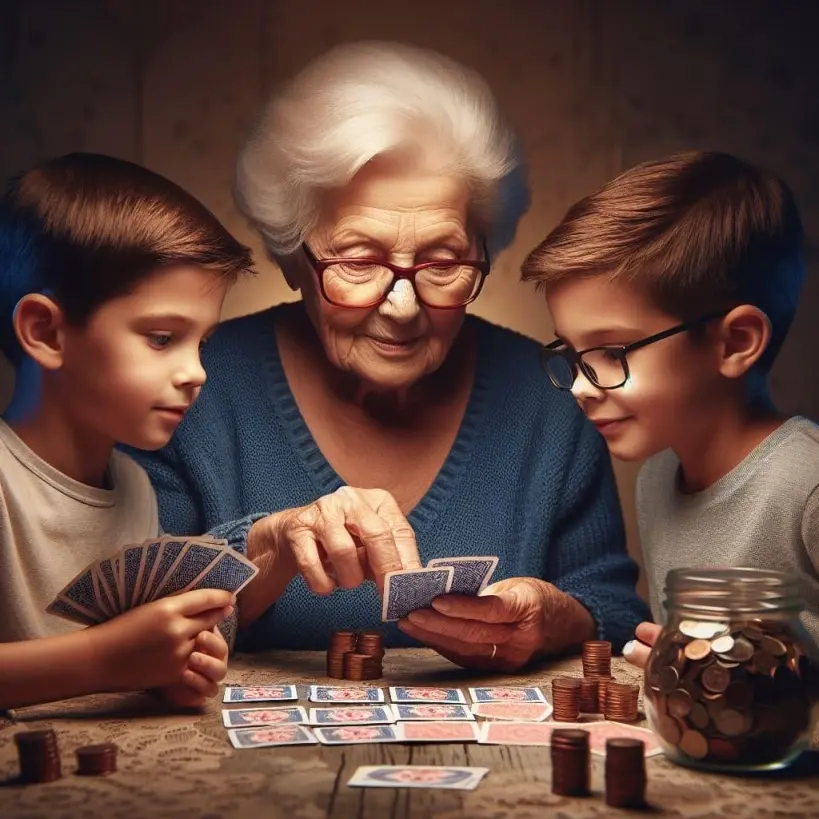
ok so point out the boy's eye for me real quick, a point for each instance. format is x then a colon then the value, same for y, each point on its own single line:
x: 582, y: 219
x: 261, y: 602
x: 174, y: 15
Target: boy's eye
x: 159, y: 340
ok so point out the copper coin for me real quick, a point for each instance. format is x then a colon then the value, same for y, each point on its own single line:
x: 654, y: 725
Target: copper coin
x: 669, y: 729
x: 764, y: 663
x: 772, y: 646
x: 697, y: 649
x: 739, y: 695
x: 730, y: 722
x: 753, y: 633
x: 722, y: 749
x: 715, y: 678
x: 668, y: 679
x: 716, y: 706
x: 699, y: 716
x: 680, y: 703
x: 694, y: 744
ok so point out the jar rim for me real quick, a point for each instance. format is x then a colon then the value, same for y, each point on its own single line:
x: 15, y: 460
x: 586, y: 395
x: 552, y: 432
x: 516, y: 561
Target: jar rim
x: 712, y: 591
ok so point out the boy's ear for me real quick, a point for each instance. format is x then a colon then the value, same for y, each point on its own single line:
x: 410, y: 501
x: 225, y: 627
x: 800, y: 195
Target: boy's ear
x: 293, y: 268
x: 745, y: 333
x: 39, y: 324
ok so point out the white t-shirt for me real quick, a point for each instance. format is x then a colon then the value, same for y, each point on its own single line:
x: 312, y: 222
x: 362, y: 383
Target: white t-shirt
x: 52, y: 527
x: 764, y: 514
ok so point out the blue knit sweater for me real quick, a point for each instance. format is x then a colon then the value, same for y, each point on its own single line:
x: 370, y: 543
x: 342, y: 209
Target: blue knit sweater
x: 528, y: 479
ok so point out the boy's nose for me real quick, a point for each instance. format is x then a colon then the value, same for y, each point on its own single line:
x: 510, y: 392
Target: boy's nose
x: 583, y: 389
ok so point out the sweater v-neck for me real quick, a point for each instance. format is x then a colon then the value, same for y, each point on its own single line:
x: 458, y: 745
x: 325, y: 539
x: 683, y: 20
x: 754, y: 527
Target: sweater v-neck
x: 324, y: 476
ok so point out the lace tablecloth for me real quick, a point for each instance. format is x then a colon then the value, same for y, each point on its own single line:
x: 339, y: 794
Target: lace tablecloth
x: 182, y: 766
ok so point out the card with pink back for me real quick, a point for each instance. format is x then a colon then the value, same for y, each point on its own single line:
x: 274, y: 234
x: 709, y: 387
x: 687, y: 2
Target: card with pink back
x: 516, y: 711
x: 438, y: 731
x: 521, y: 733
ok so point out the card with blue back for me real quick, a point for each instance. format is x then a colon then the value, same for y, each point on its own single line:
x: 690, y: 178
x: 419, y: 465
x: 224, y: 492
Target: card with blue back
x: 471, y: 574
x: 141, y: 573
x: 407, y: 590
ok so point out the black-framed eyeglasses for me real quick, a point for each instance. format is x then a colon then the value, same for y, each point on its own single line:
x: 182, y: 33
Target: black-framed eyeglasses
x: 605, y: 367
x: 445, y: 284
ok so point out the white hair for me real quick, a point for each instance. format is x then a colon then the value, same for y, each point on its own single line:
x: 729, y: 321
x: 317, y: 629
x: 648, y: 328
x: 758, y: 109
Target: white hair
x: 366, y: 100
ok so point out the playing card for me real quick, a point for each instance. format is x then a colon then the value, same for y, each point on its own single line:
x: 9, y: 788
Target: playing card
x: 438, y: 731
x: 104, y: 602
x: 507, y: 694
x: 338, y: 693
x: 230, y: 571
x: 403, y: 693
x: 259, y: 693
x: 408, y: 590
x: 80, y: 593
x: 521, y: 733
x: 471, y: 575
x: 152, y: 550
x: 70, y: 611
x: 601, y: 731
x: 351, y: 715
x: 166, y: 562
x: 432, y: 711
x: 265, y: 737
x: 246, y: 717
x: 515, y: 711
x: 193, y: 562
x: 356, y: 734
x: 417, y: 776
x: 131, y: 562
x: 107, y: 572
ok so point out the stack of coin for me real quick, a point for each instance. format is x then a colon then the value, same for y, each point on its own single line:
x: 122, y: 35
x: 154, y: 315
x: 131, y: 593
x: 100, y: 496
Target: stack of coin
x: 371, y: 643
x: 603, y: 684
x: 97, y: 760
x: 570, y: 762
x: 39, y: 756
x: 625, y: 773
x: 737, y: 693
x: 566, y: 699
x: 341, y: 642
x: 597, y: 658
x: 589, y: 688
x: 621, y: 702
x: 361, y: 667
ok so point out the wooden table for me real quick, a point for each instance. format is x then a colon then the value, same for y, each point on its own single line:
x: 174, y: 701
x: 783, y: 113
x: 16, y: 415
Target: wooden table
x: 182, y: 766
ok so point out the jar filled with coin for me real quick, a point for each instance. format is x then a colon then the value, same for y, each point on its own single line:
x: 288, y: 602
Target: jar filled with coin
x: 731, y: 683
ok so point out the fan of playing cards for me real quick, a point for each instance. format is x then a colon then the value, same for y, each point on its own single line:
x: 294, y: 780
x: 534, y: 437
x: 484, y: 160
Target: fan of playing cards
x: 140, y: 573
x: 409, y: 589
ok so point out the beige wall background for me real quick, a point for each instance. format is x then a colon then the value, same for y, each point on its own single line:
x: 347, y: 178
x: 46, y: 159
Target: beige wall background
x: 593, y: 87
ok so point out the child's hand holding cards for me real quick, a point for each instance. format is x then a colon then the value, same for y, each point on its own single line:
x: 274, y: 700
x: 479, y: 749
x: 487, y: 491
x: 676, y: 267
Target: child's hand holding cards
x: 407, y: 590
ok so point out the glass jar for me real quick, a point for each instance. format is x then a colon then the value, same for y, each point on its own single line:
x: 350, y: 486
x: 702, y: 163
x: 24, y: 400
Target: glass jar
x: 731, y: 684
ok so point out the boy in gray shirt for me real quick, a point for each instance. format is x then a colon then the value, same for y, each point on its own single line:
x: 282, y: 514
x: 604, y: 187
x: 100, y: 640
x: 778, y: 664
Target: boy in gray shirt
x: 672, y: 289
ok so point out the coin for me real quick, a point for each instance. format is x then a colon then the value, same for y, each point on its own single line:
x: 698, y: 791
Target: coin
x: 697, y: 649
x: 722, y: 644
x: 694, y: 744
x: 730, y: 722
x: 668, y: 679
x: 702, y: 629
x: 715, y: 678
x: 669, y: 729
x: 680, y: 703
x: 773, y: 646
x: 699, y: 717
x: 741, y: 652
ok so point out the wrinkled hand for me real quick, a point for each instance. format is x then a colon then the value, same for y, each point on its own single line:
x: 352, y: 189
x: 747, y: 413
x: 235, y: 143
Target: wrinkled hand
x: 207, y: 667
x: 509, y: 620
x: 636, y: 651
x: 151, y: 646
x: 339, y: 540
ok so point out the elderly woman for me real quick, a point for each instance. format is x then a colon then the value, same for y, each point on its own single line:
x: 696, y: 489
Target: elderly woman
x: 382, y: 179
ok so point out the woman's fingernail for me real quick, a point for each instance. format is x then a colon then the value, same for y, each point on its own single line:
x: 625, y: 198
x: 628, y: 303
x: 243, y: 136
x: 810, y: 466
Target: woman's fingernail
x: 629, y: 647
x: 441, y: 605
x: 418, y: 617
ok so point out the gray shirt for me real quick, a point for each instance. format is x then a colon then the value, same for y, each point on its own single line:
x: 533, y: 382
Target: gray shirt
x: 764, y: 514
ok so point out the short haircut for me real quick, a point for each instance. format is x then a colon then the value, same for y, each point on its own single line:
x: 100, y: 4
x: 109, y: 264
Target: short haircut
x: 366, y: 100
x: 86, y: 228
x: 696, y: 232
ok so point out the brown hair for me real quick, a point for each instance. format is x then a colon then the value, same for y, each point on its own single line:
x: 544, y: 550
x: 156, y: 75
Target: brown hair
x: 86, y: 228
x: 696, y: 232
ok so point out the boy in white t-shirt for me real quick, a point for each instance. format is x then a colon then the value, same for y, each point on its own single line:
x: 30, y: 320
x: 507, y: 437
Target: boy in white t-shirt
x: 672, y: 289
x: 111, y: 279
